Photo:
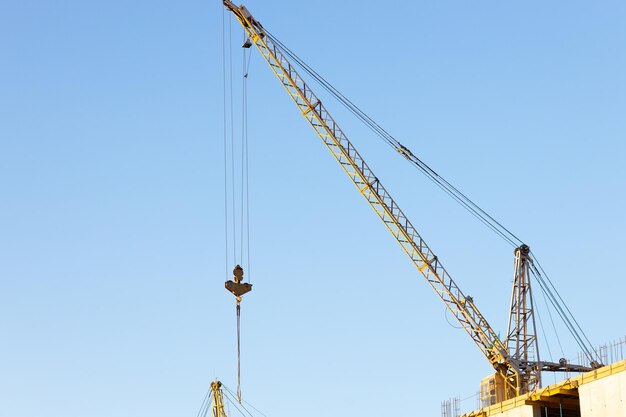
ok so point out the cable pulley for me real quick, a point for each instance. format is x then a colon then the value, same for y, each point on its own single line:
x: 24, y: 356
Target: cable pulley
x: 236, y: 286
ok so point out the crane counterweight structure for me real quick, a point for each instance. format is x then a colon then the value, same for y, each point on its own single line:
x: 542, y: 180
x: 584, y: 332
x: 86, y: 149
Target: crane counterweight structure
x: 428, y: 264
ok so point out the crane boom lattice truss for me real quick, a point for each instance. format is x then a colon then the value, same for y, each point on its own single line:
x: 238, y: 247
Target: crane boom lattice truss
x: 460, y: 305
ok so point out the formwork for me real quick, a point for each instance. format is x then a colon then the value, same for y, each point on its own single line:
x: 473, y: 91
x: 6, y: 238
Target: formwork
x: 599, y: 393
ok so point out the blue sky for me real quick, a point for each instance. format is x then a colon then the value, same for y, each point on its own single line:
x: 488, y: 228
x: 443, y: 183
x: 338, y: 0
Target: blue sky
x: 112, y: 219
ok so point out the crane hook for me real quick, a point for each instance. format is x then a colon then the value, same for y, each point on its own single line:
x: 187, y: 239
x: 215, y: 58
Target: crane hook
x: 238, y: 288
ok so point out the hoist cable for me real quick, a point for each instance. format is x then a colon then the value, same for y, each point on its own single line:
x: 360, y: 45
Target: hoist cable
x: 247, y: 190
x: 232, y: 396
x: 328, y: 87
x: 459, y: 197
x: 227, y: 406
x: 255, y: 409
x: 558, y: 339
x: 248, y: 206
x: 468, y: 203
x: 232, y: 134
x: 238, y: 405
x: 239, y: 350
x: 243, y: 141
x: 546, y: 285
x: 543, y: 331
x: 245, y: 162
x: 564, y: 312
x: 472, y: 211
x: 229, y: 401
x: 448, y: 188
x: 470, y: 397
x: 559, y: 310
x: 561, y: 299
x: 445, y: 315
x: 225, y: 141
x: 205, y: 404
x: 456, y: 194
x: 567, y: 320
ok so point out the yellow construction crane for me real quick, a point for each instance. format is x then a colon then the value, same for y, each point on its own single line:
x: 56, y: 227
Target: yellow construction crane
x: 518, y: 373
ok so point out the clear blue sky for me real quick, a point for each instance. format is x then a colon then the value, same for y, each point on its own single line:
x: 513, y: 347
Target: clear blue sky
x: 111, y: 209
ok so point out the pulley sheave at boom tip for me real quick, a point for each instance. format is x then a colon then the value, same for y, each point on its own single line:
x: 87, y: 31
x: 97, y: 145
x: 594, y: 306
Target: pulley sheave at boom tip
x: 342, y: 149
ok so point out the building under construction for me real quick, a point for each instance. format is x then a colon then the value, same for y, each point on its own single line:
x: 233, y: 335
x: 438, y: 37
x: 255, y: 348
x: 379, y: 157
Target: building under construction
x: 599, y: 393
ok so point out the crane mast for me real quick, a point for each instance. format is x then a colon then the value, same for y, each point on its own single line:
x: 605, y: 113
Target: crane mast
x: 427, y: 263
x: 217, y: 400
x: 522, y: 334
x: 521, y: 337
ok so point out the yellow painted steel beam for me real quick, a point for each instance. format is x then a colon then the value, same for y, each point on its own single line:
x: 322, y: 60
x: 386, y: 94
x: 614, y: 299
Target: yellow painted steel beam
x: 217, y: 400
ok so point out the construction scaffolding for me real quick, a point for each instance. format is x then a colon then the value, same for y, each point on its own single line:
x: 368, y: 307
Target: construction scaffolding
x: 610, y: 352
x: 451, y: 407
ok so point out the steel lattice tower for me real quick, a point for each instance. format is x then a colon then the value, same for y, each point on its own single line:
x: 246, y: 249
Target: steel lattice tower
x: 521, y: 339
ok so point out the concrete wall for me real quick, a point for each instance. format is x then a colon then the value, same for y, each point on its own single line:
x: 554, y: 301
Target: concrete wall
x: 521, y: 411
x: 605, y: 397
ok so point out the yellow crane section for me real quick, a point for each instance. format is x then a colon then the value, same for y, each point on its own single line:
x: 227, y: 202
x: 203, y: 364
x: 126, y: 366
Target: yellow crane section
x: 460, y: 305
x: 518, y: 371
x: 217, y: 400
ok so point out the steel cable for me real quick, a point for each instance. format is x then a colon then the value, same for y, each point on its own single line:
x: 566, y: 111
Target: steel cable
x: 237, y: 404
x: 225, y: 140
x: 238, y: 351
x: 430, y: 173
x: 546, y: 284
x: 205, y: 404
